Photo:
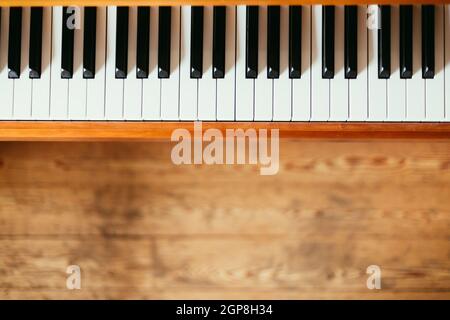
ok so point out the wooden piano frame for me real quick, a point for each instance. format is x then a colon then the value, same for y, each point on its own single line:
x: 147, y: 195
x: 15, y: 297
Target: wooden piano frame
x: 127, y: 130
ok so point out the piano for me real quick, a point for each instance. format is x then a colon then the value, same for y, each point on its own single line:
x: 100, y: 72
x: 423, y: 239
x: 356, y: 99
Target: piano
x: 139, y: 69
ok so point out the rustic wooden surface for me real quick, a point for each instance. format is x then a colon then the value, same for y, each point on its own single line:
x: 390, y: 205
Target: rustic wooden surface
x: 141, y: 227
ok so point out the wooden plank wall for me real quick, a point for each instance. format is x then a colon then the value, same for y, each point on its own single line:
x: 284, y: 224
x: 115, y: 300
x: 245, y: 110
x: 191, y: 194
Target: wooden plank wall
x: 141, y: 227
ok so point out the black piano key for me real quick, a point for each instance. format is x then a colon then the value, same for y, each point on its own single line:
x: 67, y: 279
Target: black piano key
x: 35, y: 51
x: 143, y: 46
x: 406, y: 39
x: 219, y: 32
x: 251, y: 43
x: 67, y: 44
x: 14, y: 42
x: 295, y: 42
x: 384, y: 43
x: 122, y: 42
x: 351, y: 42
x: 164, y: 31
x: 89, y: 42
x: 328, y: 42
x: 196, y: 42
x: 428, y: 41
x: 273, y: 42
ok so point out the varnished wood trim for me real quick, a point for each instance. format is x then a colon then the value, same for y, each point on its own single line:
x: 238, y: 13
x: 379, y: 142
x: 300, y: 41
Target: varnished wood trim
x: 94, y: 131
x: 204, y: 2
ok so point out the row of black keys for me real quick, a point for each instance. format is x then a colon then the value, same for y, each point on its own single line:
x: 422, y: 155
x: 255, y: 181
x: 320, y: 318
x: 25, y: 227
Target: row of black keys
x: 35, y: 48
x: 219, y: 30
x: 406, y: 42
x: 350, y: 42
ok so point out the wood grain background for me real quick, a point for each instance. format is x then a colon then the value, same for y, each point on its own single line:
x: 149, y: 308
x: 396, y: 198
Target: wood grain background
x: 141, y: 227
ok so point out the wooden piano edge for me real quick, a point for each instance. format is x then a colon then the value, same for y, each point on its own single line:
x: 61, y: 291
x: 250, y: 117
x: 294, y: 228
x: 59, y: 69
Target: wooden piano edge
x: 162, y: 131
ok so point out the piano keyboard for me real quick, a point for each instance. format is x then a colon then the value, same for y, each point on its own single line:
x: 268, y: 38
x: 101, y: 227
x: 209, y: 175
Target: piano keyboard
x: 236, y: 63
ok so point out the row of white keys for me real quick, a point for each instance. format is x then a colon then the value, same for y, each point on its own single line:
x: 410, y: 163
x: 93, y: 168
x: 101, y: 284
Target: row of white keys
x: 396, y: 98
x: 95, y: 97
x: 225, y: 102
x: 357, y: 99
x: 206, y: 102
x: 77, y: 85
x: 151, y: 92
x: 434, y: 94
x: 282, y: 93
x: 320, y: 88
x: 415, y: 87
x: 263, y: 85
x: 59, y: 87
x: 6, y: 85
x: 188, y: 86
x: 114, y: 87
x: 301, y: 88
x: 76, y: 98
x: 377, y: 88
x: 170, y: 86
x: 339, y: 85
x: 40, y: 104
x: 132, y: 92
x: 389, y: 100
x: 23, y: 85
x: 198, y: 96
x: 244, y: 92
x: 447, y: 62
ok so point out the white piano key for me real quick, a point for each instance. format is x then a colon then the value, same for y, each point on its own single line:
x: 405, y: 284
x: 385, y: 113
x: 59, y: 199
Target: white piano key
x: 132, y: 105
x: 301, y: 88
x: 320, y: 88
x: 447, y: 63
x: 225, y: 87
x: 114, y: 87
x: 207, y: 84
x: 151, y: 103
x: 169, y: 87
x: 339, y: 85
x: 95, y: 99
x: 59, y: 87
x: 415, y: 87
x: 6, y: 85
x: 282, y: 96
x: 23, y: 85
x: 396, y: 104
x: 41, y: 87
x: 78, y: 85
x: 244, y: 87
x: 263, y: 85
x: 377, y: 87
x: 434, y: 88
x: 358, y: 87
x: 188, y: 86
